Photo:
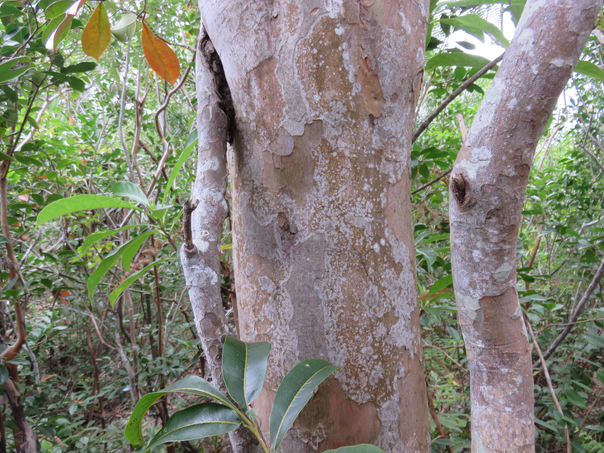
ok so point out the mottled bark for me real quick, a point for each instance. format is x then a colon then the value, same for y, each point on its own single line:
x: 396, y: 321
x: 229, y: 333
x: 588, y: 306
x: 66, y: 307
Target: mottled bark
x: 487, y: 187
x: 323, y: 92
x: 200, y: 254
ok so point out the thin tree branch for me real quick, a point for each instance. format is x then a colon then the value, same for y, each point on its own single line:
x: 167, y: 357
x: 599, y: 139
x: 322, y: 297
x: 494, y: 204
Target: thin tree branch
x: 574, y: 316
x: 422, y: 127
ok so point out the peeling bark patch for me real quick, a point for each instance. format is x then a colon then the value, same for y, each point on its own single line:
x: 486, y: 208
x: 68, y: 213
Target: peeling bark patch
x: 294, y: 171
x: 499, y: 323
x: 341, y: 421
x: 371, y: 88
x: 386, y: 12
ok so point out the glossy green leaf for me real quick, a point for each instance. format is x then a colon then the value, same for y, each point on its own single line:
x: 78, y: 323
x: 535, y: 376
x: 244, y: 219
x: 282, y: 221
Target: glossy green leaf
x: 127, y: 189
x: 126, y: 283
x: 181, y: 161
x: 363, y: 448
x: 191, y: 385
x: 98, y: 274
x: 295, y: 391
x: 56, y: 9
x: 3, y: 374
x: 79, y: 203
x: 13, y: 68
x: 96, y: 237
x: 472, y: 22
x: 135, y: 244
x: 244, y: 369
x: 59, y: 34
x: 196, y: 422
x: 456, y: 59
x: 545, y: 424
x: 589, y: 69
x: 443, y: 283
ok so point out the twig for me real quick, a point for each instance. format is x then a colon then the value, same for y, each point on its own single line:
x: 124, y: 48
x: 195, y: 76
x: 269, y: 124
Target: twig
x: 549, y: 382
x: 120, y: 125
x: 595, y: 159
x: 434, y: 181
x: 422, y: 127
x: 575, y: 315
x: 441, y: 431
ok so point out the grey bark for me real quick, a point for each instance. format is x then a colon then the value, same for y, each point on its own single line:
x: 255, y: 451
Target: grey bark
x: 200, y: 256
x: 323, y: 92
x: 487, y: 185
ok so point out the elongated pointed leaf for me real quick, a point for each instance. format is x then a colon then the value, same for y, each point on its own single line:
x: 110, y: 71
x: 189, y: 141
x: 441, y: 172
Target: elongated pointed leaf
x: 13, y: 68
x: 126, y: 283
x: 127, y: 189
x: 181, y: 161
x: 295, y: 391
x: 196, y: 422
x: 160, y: 57
x: 97, y: 34
x: 59, y: 33
x: 589, y: 69
x: 363, y: 448
x: 244, y: 369
x: 79, y: 203
x: 191, y: 385
x: 456, y: 59
x: 98, y: 274
x: 135, y: 244
x: 96, y: 237
x: 3, y: 374
x: 441, y: 284
x: 56, y: 9
x: 471, y: 22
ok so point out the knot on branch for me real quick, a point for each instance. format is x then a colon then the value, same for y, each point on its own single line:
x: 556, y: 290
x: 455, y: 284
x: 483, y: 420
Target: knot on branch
x: 188, y: 209
x: 208, y: 51
x: 460, y: 189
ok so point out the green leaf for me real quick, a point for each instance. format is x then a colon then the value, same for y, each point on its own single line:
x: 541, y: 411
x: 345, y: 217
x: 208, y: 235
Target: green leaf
x: 127, y: 189
x: 196, y: 422
x: 13, y: 68
x: 295, y: 391
x: 595, y: 340
x: 56, y: 9
x: 79, y: 203
x: 84, y: 66
x: 545, y: 424
x: 589, y: 69
x: 111, y: 259
x: 456, y: 59
x: 3, y: 374
x: 363, y: 448
x: 4, y: 156
x: 135, y: 244
x: 574, y: 398
x: 181, y: 161
x: 443, y: 283
x: 126, y: 283
x: 96, y: 237
x: 472, y: 22
x: 244, y: 369
x: 191, y: 385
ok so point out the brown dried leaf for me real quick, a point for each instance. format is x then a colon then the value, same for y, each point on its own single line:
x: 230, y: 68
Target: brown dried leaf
x: 160, y: 57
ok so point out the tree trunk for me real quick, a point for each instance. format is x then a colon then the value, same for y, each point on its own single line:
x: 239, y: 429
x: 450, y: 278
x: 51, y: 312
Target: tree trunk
x: 487, y: 188
x: 323, y: 92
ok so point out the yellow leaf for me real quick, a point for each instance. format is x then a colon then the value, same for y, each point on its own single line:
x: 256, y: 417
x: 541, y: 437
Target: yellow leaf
x: 97, y: 34
x: 46, y: 378
x: 160, y: 57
